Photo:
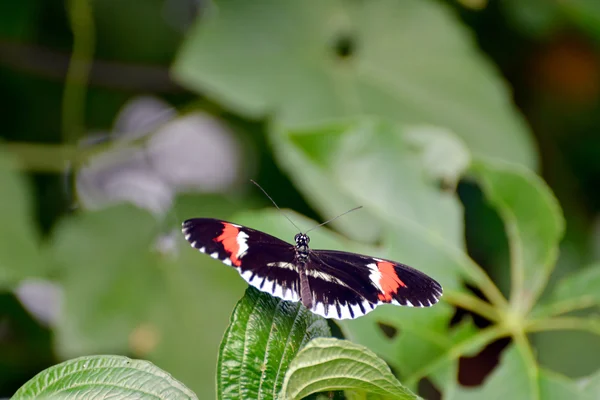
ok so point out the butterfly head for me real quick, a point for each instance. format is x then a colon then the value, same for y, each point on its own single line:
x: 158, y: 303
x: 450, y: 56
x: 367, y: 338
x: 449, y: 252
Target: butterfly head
x: 302, y: 240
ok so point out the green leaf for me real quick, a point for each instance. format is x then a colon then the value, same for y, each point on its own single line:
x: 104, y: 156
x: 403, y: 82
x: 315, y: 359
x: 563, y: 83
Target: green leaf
x: 533, y: 221
x: 347, y: 58
x: 264, y: 335
x: 132, y: 289
x: 590, y: 385
x: 103, y: 377
x: 333, y: 364
x: 109, y: 275
x: 578, y: 290
x: 517, y: 377
x: 370, y: 163
x: 19, y: 239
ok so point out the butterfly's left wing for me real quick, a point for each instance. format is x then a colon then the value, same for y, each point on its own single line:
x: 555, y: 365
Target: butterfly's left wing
x: 348, y: 285
x: 264, y: 261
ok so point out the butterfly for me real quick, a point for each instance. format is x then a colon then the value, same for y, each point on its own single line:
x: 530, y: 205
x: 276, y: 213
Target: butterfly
x: 333, y: 284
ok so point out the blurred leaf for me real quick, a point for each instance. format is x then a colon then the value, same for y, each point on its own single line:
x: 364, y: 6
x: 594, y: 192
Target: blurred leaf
x: 19, y: 239
x: 263, y: 337
x: 517, y: 377
x: 513, y: 378
x: 585, y: 14
x: 109, y: 276
x: 104, y: 377
x: 535, y: 18
x: 370, y: 163
x: 346, y: 58
x: 533, y: 221
x: 590, y: 385
x: 579, y: 290
x: 18, y: 19
x: 445, y: 157
x: 130, y: 289
x: 332, y: 364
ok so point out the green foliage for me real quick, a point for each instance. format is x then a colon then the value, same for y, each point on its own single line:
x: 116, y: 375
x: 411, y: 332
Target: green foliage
x: 385, y: 104
x: 298, y: 76
x: 102, y: 377
x: 263, y: 337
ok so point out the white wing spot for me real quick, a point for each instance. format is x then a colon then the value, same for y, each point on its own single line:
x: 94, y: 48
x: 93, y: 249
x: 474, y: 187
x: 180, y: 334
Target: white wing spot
x: 227, y: 261
x: 375, y: 275
x: 187, y: 235
x: 242, y: 245
x: 202, y: 250
x: 215, y: 255
x: 409, y: 304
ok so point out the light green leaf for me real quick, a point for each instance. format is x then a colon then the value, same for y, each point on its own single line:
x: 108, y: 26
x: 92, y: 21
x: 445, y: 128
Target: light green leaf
x: 104, y: 377
x: 264, y: 335
x: 533, y: 221
x: 308, y: 61
x: 19, y: 239
x: 333, y: 364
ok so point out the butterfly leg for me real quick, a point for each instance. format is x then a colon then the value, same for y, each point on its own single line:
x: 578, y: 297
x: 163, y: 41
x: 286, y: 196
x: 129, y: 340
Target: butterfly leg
x: 305, y: 293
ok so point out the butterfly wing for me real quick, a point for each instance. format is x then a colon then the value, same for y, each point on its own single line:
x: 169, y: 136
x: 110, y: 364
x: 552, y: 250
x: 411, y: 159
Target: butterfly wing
x: 264, y: 261
x: 348, y: 285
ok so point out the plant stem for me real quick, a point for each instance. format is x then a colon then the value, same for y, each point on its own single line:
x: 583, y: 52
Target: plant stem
x: 473, y: 304
x: 564, y: 324
x: 73, y: 103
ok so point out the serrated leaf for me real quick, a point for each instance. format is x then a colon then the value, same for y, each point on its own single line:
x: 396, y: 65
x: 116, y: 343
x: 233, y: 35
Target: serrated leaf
x: 263, y: 337
x: 333, y: 364
x: 391, y: 68
x: 19, y: 239
x: 533, y: 221
x: 103, y: 377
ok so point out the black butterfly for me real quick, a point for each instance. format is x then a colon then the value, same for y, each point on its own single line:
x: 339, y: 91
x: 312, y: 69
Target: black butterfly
x: 334, y: 284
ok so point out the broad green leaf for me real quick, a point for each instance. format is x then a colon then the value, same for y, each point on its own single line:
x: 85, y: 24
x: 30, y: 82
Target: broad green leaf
x: 19, y: 239
x: 313, y: 60
x: 332, y: 364
x: 104, y: 377
x: 533, y: 221
x: 264, y: 335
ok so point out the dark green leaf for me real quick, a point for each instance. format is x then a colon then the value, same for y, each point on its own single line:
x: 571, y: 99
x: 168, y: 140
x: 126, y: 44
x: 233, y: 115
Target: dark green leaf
x: 534, y: 225
x: 333, y: 364
x: 347, y: 58
x: 104, y: 377
x: 263, y: 337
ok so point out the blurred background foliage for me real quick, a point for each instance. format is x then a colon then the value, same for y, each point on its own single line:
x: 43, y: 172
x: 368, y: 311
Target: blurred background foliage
x: 173, y: 105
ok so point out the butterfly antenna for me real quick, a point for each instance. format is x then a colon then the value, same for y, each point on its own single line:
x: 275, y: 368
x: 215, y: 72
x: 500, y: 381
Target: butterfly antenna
x: 276, y: 206
x: 333, y: 219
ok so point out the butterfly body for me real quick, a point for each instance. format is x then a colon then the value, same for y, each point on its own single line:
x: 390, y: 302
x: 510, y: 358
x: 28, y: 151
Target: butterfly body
x: 333, y: 284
